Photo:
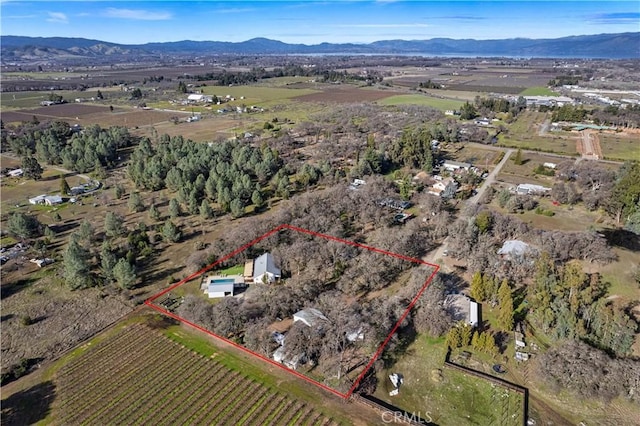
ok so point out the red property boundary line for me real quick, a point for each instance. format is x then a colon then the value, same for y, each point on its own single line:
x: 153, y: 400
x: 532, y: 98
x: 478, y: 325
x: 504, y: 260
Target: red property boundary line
x: 149, y: 302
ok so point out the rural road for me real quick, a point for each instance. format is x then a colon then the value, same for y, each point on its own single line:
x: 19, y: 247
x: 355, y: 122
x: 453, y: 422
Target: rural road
x: 438, y: 253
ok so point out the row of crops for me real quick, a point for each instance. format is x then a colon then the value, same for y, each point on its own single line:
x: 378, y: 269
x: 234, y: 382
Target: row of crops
x: 138, y: 376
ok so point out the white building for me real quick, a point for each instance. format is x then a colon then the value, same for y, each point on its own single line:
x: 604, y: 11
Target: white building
x: 310, y: 317
x: 264, y: 269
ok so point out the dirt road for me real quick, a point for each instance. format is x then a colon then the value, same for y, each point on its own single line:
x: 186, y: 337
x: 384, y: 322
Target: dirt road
x: 439, y: 252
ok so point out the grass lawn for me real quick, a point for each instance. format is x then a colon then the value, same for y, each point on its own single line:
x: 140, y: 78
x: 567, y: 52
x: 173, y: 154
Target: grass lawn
x: 539, y: 143
x: 233, y: 270
x: 415, y: 99
x: 619, y: 147
x: 447, y: 396
x: 538, y: 91
x: 619, y: 274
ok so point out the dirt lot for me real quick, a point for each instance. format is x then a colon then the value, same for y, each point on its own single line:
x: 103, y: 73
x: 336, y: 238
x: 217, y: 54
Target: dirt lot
x: 347, y: 94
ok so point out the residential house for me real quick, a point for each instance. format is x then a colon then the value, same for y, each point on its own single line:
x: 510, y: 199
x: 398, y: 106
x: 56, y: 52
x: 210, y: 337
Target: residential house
x: 531, y: 189
x: 445, y: 188
x: 462, y: 308
x: 265, y: 270
x: 37, y: 200
x: 217, y: 286
x: 309, y: 316
x: 453, y: 166
x: 52, y: 200
x: 513, y: 249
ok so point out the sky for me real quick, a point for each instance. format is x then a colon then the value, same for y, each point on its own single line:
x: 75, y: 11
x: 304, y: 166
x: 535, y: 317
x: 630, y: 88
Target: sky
x: 312, y: 22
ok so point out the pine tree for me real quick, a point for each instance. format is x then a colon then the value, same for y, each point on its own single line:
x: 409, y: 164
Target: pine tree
x: 465, y: 334
x: 174, y: 208
x: 135, y: 202
x: 477, y: 290
x: 170, y: 232
x: 518, y: 160
x: 124, y: 273
x: 206, y: 212
x: 76, y: 265
x: 107, y: 261
x: 475, y: 341
x: 31, y: 168
x: 505, y: 306
x: 154, y: 213
x: 64, y: 186
x: 113, y: 224
x: 453, y: 338
x: 490, y: 287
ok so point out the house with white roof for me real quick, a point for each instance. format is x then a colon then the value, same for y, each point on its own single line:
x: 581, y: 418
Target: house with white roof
x: 309, y: 316
x: 265, y: 270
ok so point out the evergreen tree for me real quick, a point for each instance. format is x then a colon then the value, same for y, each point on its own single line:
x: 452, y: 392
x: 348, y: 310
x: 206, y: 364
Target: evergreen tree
x: 518, y: 160
x: 465, y: 334
x: 256, y: 199
x: 505, y: 306
x: 490, y: 285
x: 454, y: 339
x: 124, y: 274
x: 107, y: 261
x: 174, y: 208
x: 23, y: 226
x: 477, y: 290
x: 86, y: 233
x: 31, y: 168
x: 170, y: 232
x: 135, y: 202
x: 113, y: 225
x: 118, y: 190
x: 237, y: 207
x: 154, y: 213
x: 64, y: 186
x: 206, y: 212
x: 76, y: 265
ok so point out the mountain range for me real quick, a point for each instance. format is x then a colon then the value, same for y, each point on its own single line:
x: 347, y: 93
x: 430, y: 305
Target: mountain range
x: 606, y: 46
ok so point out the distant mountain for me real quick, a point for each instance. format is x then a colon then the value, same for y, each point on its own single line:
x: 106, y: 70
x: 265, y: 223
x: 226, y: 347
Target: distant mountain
x: 607, y: 46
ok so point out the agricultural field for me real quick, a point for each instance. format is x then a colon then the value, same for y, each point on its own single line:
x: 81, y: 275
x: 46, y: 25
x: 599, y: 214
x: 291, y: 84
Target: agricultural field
x: 32, y: 99
x: 163, y: 380
x: 539, y: 91
x: 474, y: 154
x: 415, y: 99
x: 346, y: 94
x: 262, y: 96
x: 524, y: 173
x: 620, y: 146
x: 525, y: 133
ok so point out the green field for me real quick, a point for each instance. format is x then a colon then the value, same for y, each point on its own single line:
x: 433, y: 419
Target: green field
x: 414, y: 99
x: 257, y: 95
x: 538, y: 91
x: 540, y: 143
x: 618, y: 147
x: 445, y: 396
x: 33, y: 99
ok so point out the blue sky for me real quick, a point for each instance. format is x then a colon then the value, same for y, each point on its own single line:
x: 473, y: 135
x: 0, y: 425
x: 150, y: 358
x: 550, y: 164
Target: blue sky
x: 313, y: 22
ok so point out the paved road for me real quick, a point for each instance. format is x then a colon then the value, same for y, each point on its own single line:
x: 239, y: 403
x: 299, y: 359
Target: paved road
x: 438, y: 253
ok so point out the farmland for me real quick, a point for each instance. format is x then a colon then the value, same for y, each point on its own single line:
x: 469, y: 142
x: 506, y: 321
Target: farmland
x: 620, y: 146
x: 441, y: 104
x: 160, y: 381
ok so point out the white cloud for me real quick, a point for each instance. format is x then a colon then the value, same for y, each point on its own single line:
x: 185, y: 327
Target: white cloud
x: 382, y: 26
x: 137, y: 14
x: 235, y: 10
x: 57, y: 17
